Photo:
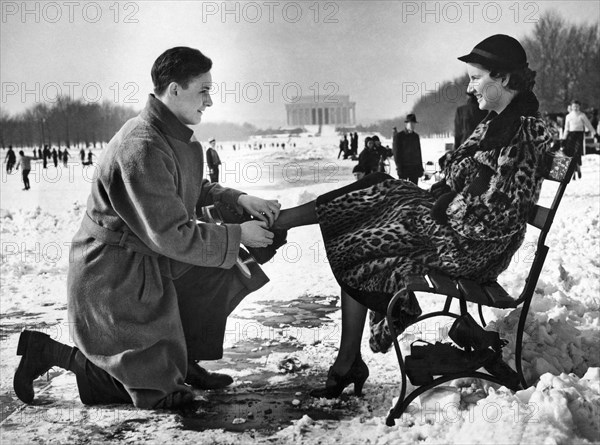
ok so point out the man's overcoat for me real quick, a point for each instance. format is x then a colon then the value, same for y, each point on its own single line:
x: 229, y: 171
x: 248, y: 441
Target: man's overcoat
x: 140, y: 234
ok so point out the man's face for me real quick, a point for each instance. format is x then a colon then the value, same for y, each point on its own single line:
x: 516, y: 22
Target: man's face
x: 189, y: 103
x: 410, y: 126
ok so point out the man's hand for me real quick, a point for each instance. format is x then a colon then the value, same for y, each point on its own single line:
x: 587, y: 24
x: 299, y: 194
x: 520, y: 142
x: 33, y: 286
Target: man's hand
x: 262, y: 209
x: 255, y: 234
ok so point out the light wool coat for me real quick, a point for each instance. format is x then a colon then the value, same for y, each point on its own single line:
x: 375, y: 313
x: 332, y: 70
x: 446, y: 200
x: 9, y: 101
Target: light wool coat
x: 122, y: 301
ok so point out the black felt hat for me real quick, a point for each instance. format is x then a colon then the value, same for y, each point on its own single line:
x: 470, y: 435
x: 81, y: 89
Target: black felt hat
x: 411, y: 118
x: 498, y: 52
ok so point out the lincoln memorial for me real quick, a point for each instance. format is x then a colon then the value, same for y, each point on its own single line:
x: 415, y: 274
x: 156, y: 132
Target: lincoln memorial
x: 322, y: 110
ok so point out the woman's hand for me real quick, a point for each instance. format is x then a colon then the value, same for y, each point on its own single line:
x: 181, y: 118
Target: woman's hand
x: 262, y: 209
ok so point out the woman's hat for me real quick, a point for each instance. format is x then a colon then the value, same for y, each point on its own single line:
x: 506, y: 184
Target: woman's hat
x: 212, y: 140
x: 411, y: 118
x: 498, y: 52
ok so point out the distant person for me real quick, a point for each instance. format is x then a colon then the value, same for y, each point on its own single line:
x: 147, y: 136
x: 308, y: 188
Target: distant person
x: 467, y: 117
x: 407, y: 152
x: 90, y: 157
x: 65, y: 157
x: 213, y: 161
x: 45, y: 156
x: 82, y: 155
x: 368, y: 159
x: 383, y: 152
x: 344, y: 147
x: 10, y: 159
x: 576, y: 122
x: 25, y: 163
x: 55, y: 157
x: 354, y: 145
x: 358, y: 172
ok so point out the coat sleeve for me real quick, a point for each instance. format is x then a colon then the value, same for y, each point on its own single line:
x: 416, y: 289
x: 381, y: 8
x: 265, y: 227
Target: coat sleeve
x: 143, y: 192
x: 500, y: 207
x: 396, y: 147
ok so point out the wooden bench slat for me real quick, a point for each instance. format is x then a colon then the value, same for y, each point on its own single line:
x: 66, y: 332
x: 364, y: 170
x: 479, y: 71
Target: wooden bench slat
x: 473, y: 292
x: 498, y: 296
x: 417, y: 283
x: 539, y: 216
x: 444, y: 284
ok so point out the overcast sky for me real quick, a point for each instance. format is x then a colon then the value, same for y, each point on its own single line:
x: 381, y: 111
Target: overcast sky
x: 383, y: 54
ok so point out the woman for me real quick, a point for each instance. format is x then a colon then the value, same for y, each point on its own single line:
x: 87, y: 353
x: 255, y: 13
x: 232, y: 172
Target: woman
x: 379, y: 230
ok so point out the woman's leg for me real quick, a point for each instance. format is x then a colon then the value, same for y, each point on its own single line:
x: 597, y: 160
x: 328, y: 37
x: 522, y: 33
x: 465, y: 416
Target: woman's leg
x: 306, y: 214
x: 302, y: 215
x: 353, y: 323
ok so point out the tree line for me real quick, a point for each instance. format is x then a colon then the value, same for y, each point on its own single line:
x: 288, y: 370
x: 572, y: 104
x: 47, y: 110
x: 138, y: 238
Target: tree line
x: 565, y: 56
x: 66, y: 122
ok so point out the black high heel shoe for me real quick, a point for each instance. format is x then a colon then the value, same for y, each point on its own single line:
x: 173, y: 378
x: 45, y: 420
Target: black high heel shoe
x: 357, y: 374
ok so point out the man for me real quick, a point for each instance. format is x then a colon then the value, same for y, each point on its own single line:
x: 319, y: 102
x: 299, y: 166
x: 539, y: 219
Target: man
x: 149, y: 289
x: 407, y: 152
x: 213, y: 161
x: 576, y: 123
x: 344, y: 147
x: 10, y: 159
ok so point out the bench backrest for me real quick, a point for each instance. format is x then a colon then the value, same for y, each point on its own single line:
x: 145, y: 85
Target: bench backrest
x: 560, y: 169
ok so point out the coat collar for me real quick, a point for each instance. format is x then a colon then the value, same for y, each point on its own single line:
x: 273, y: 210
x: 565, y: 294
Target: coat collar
x: 503, y: 127
x: 158, y: 114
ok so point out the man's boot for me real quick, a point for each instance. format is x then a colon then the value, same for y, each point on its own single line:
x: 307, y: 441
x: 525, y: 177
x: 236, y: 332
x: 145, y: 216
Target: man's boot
x: 200, y: 378
x: 39, y: 353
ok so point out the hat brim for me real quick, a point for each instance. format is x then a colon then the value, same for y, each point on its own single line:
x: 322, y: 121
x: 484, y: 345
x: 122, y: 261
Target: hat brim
x: 410, y: 120
x: 486, y: 62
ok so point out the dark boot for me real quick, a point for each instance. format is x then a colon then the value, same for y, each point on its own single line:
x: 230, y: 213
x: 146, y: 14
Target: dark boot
x: 39, y: 353
x: 200, y: 378
x: 467, y: 333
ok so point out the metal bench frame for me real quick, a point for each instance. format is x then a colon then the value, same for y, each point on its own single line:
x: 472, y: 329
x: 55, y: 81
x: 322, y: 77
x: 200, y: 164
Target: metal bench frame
x: 557, y: 168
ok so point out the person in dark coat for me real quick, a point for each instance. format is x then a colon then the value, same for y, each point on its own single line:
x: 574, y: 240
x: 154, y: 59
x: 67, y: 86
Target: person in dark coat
x: 82, y: 155
x: 407, y: 152
x: 10, y: 159
x: 45, y: 155
x: 213, y: 161
x: 368, y: 159
x: 55, y: 157
x: 344, y: 147
x: 149, y: 288
x: 354, y: 145
x: 467, y: 117
x: 379, y: 230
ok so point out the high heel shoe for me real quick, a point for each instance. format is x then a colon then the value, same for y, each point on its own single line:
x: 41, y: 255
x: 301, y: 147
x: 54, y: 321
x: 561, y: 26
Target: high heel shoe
x: 357, y: 374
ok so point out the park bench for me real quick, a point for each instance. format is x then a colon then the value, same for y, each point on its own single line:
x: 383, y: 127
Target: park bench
x: 558, y: 169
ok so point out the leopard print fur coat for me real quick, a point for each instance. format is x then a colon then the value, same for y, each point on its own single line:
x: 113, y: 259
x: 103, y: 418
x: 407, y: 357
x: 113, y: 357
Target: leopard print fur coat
x: 384, y: 229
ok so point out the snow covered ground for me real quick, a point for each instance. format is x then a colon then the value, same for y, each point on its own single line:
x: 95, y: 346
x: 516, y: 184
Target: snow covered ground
x: 282, y: 339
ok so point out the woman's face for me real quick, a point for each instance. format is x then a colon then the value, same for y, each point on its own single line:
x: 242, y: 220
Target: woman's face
x: 490, y: 92
x: 370, y: 144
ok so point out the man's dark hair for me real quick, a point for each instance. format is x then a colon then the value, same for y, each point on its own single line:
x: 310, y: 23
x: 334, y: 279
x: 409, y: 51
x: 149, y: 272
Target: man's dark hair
x: 180, y: 64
